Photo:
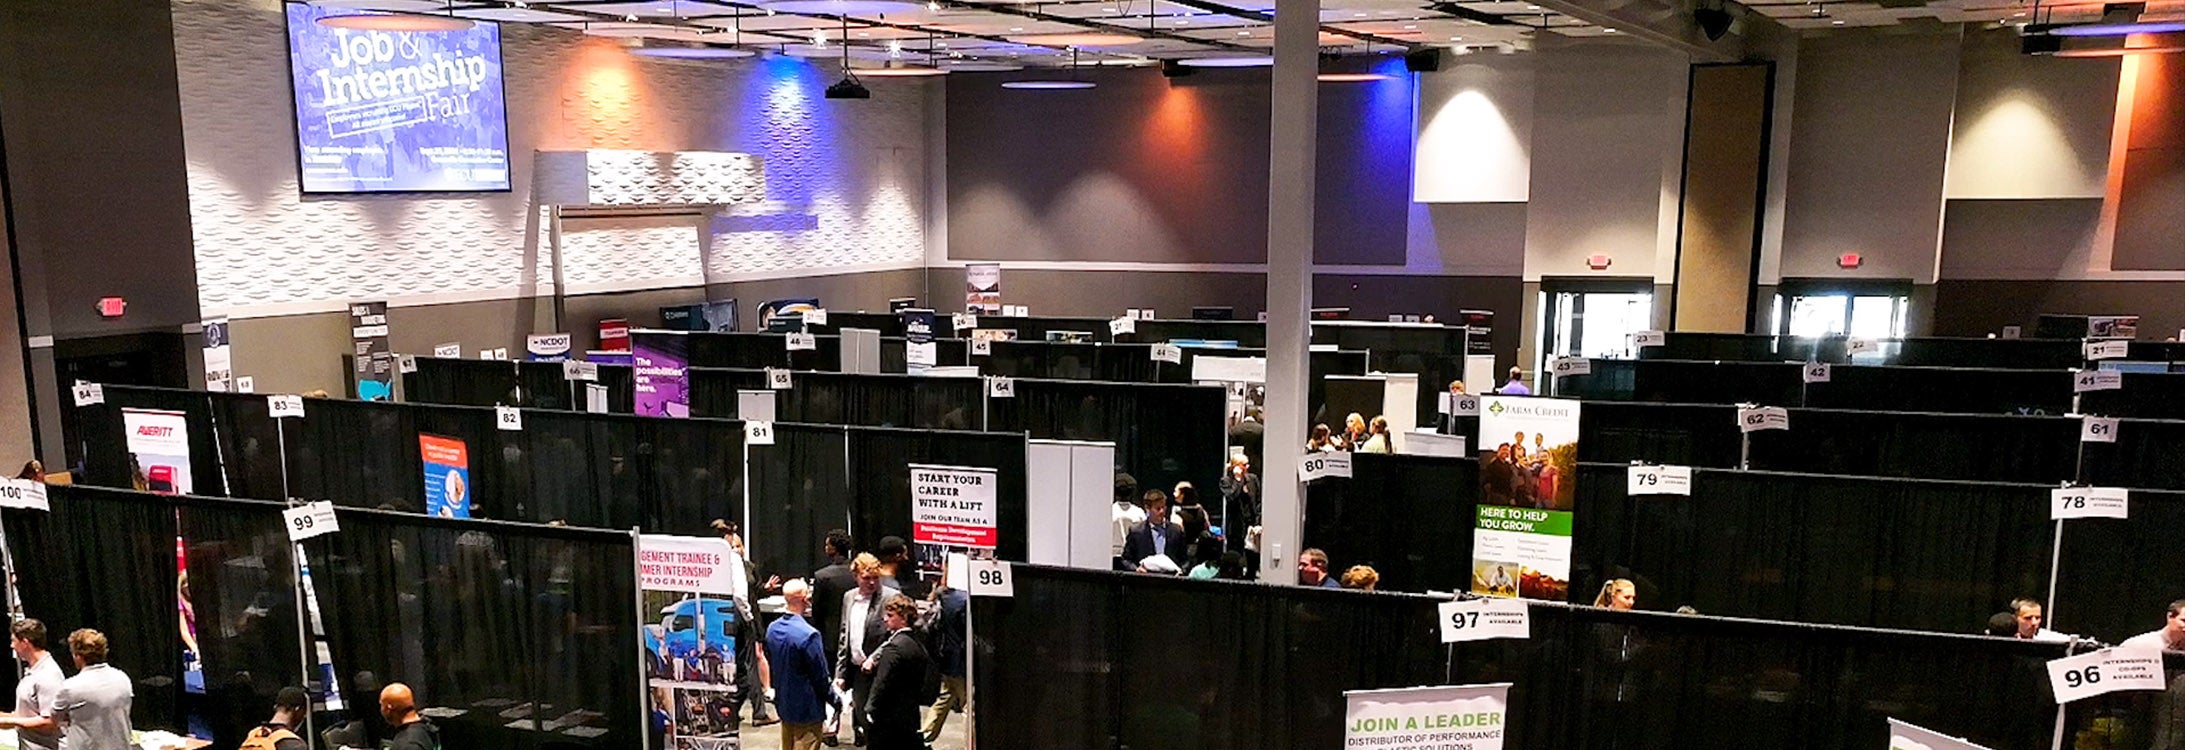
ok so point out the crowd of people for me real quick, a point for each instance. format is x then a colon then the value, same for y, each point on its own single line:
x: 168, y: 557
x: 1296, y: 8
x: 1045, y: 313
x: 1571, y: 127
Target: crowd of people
x: 868, y: 638
x: 90, y: 709
x: 1359, y: 435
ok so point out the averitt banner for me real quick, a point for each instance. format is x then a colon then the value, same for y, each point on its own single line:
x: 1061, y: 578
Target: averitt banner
x: 447, y: 476
x: 381, y: 111
x: 159, y: 449
x: 1457, y: 717
x: 661, y: 361
x: 1521, y: 544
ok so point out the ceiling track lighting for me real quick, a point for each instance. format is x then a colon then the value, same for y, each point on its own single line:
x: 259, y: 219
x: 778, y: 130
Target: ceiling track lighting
x: 1053, y: 84
x: 848, y: 87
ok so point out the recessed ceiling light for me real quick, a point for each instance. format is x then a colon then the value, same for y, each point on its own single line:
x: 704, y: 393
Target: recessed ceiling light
x: 1016, y: 28
x: 1608, y: 31
x: 1181, y: 22
x: 1410, y: 26
x: 1456, y: 39
x: 907, y: 71
x: 1836, y: 23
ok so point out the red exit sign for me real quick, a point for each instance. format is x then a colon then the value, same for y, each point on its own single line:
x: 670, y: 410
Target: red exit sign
x: 112, y: 307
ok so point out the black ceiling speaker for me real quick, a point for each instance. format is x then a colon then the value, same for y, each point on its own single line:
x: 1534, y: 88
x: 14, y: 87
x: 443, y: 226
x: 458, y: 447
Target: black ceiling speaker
x: 1714, y: 22
x: 1423, y: 60
x: 1175, y: 69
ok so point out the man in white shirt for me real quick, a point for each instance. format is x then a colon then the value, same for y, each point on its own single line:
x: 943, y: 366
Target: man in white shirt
x: 93, y: 706
x: 2171, y: 637
x: 864, y: 628
x: 1126, y: 515
x: 2027, y: 612
x: 32, y: 719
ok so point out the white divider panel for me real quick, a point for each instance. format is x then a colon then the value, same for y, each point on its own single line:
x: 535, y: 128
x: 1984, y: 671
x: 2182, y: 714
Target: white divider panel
x: 1400, y: 405
x: 1047, y: 502
x: 755, y: 406
x: 1092, y: 492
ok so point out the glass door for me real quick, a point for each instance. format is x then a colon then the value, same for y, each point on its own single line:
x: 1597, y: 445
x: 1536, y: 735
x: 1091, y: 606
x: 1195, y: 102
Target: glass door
x: 1868, y: 310
x: 1593, y: 318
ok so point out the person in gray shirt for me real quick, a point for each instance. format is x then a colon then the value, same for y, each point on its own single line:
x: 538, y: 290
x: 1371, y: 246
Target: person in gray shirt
x: 32, y: 719
x: 93, y: 706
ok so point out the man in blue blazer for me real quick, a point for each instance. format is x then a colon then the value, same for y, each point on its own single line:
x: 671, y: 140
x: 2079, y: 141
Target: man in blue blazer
x: 797, y: 656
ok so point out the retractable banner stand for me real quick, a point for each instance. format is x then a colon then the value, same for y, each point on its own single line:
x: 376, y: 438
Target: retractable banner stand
x: 982, y: 288
x: 661, y: 380
x: 159, y: 449
x: 374, y: 368
x: 1457, y: 717
x: 447, y: 476
x: 1521, y: 543
x: 219, y: 373
x: 697, y: 630
x: 953, y: 510
x: 918, y: 340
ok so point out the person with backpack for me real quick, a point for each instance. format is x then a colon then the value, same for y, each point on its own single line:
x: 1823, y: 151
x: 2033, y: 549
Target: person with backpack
x: 279, y: 733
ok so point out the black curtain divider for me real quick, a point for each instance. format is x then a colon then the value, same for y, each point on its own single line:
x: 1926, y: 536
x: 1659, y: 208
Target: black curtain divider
x: 756, y: 350
x: 2000, y: 448
x: 800, y: 489
x: 1884, y: 388
x: 1163, y: 434
x: 526, y: 632
x: 597, y: 470
x: 888, y: 324
x: 2116, y: 581
x: 1685, y: 434
x: 242, y: 590
x: 880, y: 481
x: 1266, y: 667
x: 713, y: 390
x: 1036, y: 328
x: 1246, y: 333
x: 106, y: 458
x: 105, y: 559
x: 2032, y: 354
x: 1908, y: 554
x: 1409, y: 517
x: 539, y: 385
x: 895, y: 354
x: 884, y: 401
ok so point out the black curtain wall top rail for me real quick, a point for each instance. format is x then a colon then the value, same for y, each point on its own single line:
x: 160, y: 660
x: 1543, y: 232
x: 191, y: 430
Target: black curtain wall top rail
x: 1151, y: 582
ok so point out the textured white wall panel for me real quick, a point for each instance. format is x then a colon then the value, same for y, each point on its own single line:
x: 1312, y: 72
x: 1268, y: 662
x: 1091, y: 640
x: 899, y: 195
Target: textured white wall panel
x: 844, y: 180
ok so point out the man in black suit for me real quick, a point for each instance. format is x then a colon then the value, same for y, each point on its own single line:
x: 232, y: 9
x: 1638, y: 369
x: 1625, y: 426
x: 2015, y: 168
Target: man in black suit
x: 828, y: 586
x: 1157, y: 536
x: 864, y: 629
x: 898, y: 682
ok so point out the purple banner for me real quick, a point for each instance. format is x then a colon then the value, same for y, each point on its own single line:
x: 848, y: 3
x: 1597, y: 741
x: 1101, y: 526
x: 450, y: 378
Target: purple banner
x: 662, y: 361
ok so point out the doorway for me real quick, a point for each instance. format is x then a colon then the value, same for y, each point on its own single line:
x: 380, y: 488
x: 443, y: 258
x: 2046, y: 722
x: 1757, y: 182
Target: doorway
x: 1818, y: 308
x: 1592, y: 318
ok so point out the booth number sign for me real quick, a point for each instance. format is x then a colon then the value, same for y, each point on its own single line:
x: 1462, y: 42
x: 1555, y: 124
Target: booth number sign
x: 310, y: 520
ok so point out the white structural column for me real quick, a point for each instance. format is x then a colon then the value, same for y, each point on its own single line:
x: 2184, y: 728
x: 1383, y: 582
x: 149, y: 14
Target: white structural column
x: 1289, y: 280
